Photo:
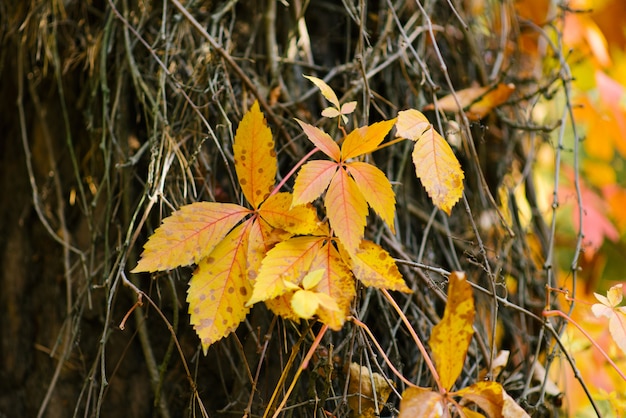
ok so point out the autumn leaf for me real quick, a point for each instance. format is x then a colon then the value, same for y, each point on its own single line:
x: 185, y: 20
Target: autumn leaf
x: 306, y: 301
x: 278, y: 212
x: 313, y: 179
x: 376, y: 189
x: 478, y: 101
x: 189, y: 235
x: 329, y: 94
x: 487, y: 395
x: 451, y: 337
x: 363, y: 387
x: 438, y: 169
x: 421, y: 402
x: 255, y: 157
x: 219, y: 288
x: 365, y: 139
x: 321, y: 140
x: 411, y: 124
x: 374, y: 267
x: 609, y: 307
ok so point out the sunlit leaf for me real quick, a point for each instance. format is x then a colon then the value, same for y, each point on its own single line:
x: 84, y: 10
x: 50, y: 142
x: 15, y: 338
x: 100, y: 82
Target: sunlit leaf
x: 512, y: 410
x: 411, y: 124
x: 255, y: 156
x: 326, y: 90
x: 189, y: 235
x: 312, y: 180
x: 423, y: 403
x: 346, y: 209
x: 487, y: 395
x: 376, y: 188
x: 438, y: 169
x: 261, y: 238
x: 451, y: 337
x: 321, y: 140
x: 374, y: 267
x: 365, y: 139
x: 480, y: 100
x: 298, y: 220
x: 609, y: 307
x: 219, y: 289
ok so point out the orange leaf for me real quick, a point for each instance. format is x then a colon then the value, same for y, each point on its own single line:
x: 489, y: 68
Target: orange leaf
x: 313, y: 178
x: 375, y: 187
x: 420, y: 402
x: 451, y: 337
x: 365, y: 139
x: 487, y: 395
x: 189, y: 235
x: 337, y: 282
x: 299, y: 220
x: 321, y: 140
x: 374, y: 267
x: 480, y: 100
x: 288, y: 261
x: 438, y: 169
x: 255, y: 157
x: 346, y: 209
x: 261, y: 239
x: 411, y: 124
x: 219, y: 288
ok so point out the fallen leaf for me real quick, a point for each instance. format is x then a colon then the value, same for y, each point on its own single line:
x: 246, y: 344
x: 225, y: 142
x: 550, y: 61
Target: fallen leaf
x: 478, y: 101
x: 423, y: 403
x: 366, y: 386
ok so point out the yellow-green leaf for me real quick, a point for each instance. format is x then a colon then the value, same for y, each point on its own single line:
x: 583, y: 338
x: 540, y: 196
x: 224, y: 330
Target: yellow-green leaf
x: 346, y: 209
x: 219, y: 288
x: 438, y: 169
x: 423, y: 403
x: 365, y: 139
x: 255, y: 156
x: 298, y: 220
x: 189, y: 235
x: 375, y: 187
x: 326, y: 90
x: 374, y: 267
x: 411, y: 124
x: 288, y: 261
x: 321, y: 140
x: 451, y: 337
x: 313, y: 179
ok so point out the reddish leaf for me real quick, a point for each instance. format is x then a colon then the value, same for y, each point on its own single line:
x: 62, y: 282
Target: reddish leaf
x: 423, y: 403
x: 346, y: 209
x: 255, y: 157
x: 219, y: 289
x: 438, y: 169
x: 321, y: 140
x: 313, y: 179
x: 189, y: 235
x: 375, y: 187
x: 451, y: 337
x: 365, y: 139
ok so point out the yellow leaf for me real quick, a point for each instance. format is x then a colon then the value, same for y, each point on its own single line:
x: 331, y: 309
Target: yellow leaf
x: 480, y: 100
x: 411, y: 124
x: 337, y: 282
x: 469, y: 413
x: 365, y: 139
x: 189, y: 235
x: 374, y: 267
x: 299, y: 220
x: 255, y: 156
x: 423, y: 403
x: 326, y: 90
x: 219, y: 288
x: 375, y: 187
x: 281, y: 306
x: 451, y: 337
x: 512, y: 410
x: 304, y: 303
x: 609, y: 308
x: 487, y: 395
x: 438, y: 169
x: 363, y: 387
x: 288, y: 261
x: 261, y: 239
x: 313, y: 178
x: 346, y: 209
x: 321, y: 140
x: 312, y: 278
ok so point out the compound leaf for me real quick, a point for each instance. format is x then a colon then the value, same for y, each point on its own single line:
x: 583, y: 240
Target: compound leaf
x: 375, y: 187
x: 365, y: 139
x: 313, y: 179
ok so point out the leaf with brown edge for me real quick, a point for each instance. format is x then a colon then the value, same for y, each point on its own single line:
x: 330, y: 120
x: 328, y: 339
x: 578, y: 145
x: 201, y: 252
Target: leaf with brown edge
x: 488, y: 396
x: 255, y: 156
x: 450, y: 338
x: 288, y: 261
x: 189, y: 235
x: 298, y: 220
x: 374, y: 267
x: 313, y: 179
x: 337, y: 282
x: 438, y: 169
x: 365, y: 139
x: 346, y: 209
x: 219, y: 288
x: 375, y: 187
x: 411, y: 124
x: 321, y: 140
x: 281, y: 306
x: 423, y: 403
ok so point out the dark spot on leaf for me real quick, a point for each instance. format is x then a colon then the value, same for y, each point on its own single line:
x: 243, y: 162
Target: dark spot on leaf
x: 382, y: 255
x: 243, y: 290
x: 272, y: 153
x: 202, y: 297
x: 229, y: 309
x: 210, y: 260
x: 243, y: 182
x: 231, y: 290
x: 260, y: 170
